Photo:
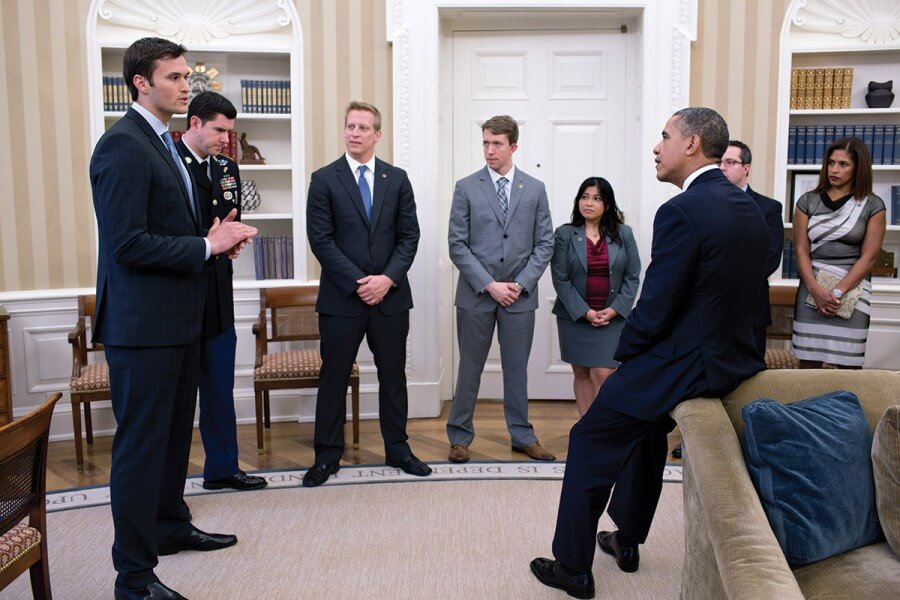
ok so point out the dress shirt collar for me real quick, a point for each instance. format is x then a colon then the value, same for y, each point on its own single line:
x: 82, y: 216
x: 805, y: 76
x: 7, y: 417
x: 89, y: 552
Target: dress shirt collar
x: 354, y: 164
x: 158, y: 126
x: 746, y: 187
x: 509, y: 175
x: 690, y: 178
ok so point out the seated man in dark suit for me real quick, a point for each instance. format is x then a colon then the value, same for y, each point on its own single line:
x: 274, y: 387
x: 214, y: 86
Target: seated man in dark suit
x: 690, y: 334
x: 736, y: 166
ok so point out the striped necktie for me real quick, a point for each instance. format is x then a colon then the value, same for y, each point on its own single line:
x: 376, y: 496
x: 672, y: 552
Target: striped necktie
x: 501, y: 197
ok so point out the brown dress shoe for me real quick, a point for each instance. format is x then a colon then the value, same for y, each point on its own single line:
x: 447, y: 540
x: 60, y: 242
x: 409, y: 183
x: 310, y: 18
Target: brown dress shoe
x: 535, y: 451
x: 459, y: 453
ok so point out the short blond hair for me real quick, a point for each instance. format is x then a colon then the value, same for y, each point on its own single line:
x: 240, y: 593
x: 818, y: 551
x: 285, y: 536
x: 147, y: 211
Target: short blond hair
x: 357, y: 105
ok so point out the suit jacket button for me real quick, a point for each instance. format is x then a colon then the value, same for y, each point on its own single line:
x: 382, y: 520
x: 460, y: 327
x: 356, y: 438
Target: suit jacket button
x: 215, y: 202
x: 505, y: 236
x: 501, y: 260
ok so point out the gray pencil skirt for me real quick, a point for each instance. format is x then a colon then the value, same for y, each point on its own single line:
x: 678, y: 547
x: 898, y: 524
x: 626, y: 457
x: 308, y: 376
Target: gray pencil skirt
x: 583, y: 345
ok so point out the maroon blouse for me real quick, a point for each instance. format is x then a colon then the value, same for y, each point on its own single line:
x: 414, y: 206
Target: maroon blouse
x: 598, y: 273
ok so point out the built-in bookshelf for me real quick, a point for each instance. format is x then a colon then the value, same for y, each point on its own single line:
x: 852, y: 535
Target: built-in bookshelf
x: 256, y: 56
x: 810, y: 49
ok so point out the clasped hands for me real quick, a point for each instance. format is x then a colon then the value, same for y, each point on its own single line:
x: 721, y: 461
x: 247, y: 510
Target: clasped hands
x: 504, y: 293
x: 600, y: 318
x: 826, y: 303
x: 373, y: 288
x: 228, y: 236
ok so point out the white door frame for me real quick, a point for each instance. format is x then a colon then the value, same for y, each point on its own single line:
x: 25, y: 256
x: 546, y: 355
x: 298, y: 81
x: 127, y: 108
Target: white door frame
x: 419, y: 31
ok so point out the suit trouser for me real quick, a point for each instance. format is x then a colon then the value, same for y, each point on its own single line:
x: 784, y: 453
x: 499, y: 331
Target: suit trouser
x: 475, y: 331
x: 339, y: 345
x: 759, y: 336
x: 607, y: 448
x: 154, y: 393
x: 218, y: 423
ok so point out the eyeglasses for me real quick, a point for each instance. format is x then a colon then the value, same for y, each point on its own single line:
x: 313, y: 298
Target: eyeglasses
x: 730, y: 162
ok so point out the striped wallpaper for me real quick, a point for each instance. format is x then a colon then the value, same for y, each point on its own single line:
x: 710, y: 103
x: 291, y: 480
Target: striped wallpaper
x: 46, y: 216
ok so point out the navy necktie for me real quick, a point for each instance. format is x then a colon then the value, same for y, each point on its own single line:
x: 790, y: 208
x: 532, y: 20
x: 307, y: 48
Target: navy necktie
x: 170, y: 144
x: 365, y: 192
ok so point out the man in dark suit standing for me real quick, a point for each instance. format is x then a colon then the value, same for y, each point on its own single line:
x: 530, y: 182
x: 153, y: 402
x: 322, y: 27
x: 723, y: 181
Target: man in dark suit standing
x: 362, y: 226
x: 736, y: 166
x: 690, y: 334
x: 150, y: 292
x: 210, y: 120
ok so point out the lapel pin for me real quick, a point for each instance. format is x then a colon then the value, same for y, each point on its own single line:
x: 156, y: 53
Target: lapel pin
x: 188, y: 159
x: 383, y: 175
x: 521, y: 186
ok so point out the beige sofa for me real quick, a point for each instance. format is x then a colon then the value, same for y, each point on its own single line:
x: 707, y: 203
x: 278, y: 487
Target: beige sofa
x: 730, y: 550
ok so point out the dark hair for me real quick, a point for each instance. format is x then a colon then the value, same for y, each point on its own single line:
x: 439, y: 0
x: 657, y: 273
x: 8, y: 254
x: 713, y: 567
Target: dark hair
x: 746, y: 155
x: 709, y: 125
x: 861, y: 186
x: 357, y: 105
x: 140, y: 59
x: 206, y: 105
x: 612, y: 216
x: 503, y: 125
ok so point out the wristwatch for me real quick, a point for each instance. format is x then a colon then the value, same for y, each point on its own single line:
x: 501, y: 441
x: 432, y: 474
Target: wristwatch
x: 520, y: 286
x: 837, y: 293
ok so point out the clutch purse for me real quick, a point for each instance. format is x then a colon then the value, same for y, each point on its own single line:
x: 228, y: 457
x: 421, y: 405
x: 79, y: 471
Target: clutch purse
x: 848, y: 300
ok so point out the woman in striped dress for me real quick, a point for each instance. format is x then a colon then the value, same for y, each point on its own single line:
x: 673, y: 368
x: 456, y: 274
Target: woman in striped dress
x: 838, y: 228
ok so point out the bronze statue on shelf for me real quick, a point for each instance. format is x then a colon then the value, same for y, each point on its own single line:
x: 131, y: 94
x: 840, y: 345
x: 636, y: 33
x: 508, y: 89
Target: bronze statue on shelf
x: 250, y: 154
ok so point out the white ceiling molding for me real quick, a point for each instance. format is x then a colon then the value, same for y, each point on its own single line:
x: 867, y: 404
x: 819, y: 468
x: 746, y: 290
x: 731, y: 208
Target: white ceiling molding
x: 875, y: 22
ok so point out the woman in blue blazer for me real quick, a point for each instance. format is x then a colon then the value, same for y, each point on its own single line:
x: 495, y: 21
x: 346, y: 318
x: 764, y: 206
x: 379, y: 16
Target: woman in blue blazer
x: 596, y: 272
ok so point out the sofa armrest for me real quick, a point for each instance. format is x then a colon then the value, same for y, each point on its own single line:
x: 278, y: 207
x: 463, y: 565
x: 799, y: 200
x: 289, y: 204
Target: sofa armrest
x: 723, y: 508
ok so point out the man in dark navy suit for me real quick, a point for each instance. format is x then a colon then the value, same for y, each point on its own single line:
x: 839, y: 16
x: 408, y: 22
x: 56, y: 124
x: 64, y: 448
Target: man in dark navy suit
x: 362, y: 226
x: 736, y: 166
x: 690, y: 334
x: 210, y: 119
x: 150, y: 293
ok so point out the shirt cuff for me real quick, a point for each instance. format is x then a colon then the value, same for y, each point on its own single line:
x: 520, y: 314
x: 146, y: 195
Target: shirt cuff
x: 208, y: 249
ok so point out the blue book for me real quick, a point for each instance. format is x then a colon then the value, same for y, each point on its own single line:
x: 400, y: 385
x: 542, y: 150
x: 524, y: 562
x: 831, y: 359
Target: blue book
x: 259, y: 259
x: 890, y: 131
x: 878, y: 145
x: 895, y: 205
x: 838, y: 132
x: 800, y: 156
x: 897, y: 145
x: 810, y: 145
x: 829, y: 134
x: 868, y: 136
x: 244, y: 96
x: 820, y: 144
x: 792, y: 145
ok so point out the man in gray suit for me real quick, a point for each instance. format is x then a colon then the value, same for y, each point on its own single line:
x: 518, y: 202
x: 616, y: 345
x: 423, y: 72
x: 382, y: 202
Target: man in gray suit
x: 501, y: 240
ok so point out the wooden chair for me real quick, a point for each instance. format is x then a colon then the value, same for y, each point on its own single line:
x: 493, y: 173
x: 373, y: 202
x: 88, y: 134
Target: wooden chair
x: 781, y: 303
x: 23, y: 481
x: 293, y: 318
x: 90, y: 381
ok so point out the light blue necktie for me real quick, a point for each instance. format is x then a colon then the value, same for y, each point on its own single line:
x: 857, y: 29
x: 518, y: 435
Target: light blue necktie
x: 501, y: 197
x: 365, y: 192
x: 170, y: 144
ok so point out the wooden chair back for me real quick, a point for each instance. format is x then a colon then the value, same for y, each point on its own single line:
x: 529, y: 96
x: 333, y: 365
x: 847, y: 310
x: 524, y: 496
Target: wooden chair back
x: 294, y: 317
x: 23, y: 490
x: 781, y: 303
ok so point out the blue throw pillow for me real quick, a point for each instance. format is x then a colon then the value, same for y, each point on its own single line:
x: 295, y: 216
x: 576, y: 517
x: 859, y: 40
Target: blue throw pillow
x: 810, y: 462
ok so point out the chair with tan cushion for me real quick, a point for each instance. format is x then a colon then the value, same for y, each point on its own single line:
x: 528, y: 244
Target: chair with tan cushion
x: 781, y: 304
x: 732, y: 551
x: 292, y: 313
x: 23, y: 477
x: 90, y: 378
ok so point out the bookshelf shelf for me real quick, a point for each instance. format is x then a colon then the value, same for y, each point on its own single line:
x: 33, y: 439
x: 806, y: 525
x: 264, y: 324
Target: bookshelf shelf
x: 843, y: 111
x: 269, y: 51
x: 815, y: 168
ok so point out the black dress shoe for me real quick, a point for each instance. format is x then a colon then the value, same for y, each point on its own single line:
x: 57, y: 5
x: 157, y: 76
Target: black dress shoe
x: 238, y: 481
x: 154, y: 591
x: 197, y: 540
x: 319, y: 474
x: 676, y: 451
x: 627, y: 557
x: 410, y: 464
x: 550, y: 572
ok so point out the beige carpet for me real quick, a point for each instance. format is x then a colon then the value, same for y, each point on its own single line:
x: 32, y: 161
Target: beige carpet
x: 423, y: 540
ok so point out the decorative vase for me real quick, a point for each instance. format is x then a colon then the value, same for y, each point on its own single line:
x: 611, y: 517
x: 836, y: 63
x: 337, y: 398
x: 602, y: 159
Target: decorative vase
x: 880, y: 94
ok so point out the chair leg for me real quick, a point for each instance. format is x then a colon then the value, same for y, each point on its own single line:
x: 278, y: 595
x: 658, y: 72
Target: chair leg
x: 259, y: 422
x: 76, y: 430
x: 267, y: 411
x: 88, y: 426
x: 40, y: 576
x: 354, y: 394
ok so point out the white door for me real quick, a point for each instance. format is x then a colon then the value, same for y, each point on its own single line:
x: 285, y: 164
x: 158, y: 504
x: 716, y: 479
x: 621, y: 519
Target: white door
x: 568, y: 91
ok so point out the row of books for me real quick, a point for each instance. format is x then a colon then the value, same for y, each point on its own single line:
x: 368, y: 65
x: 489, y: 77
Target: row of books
x: 273, y: 256
x: 265, y: 96
x: 116, y: 96
x: 828, y: 87
x: 895, y: 205
x: 807, y: 143
x: 230, y: 150
x: 788, y: 263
